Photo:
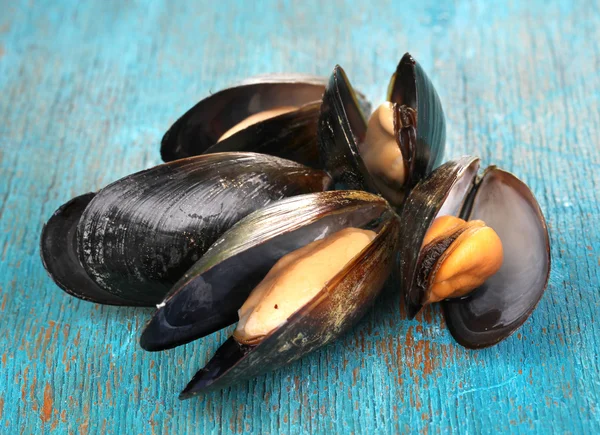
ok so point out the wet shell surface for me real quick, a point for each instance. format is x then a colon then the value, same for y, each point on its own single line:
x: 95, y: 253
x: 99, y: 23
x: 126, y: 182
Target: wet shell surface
x: 209, y: 294
x: 418, y: 126
x: 240, y: 225
x: 136, y: 237
x: 289, y: 133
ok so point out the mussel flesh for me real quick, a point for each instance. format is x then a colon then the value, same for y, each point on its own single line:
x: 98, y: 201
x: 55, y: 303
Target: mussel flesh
x: 456, y: 257
x: 131, y: 241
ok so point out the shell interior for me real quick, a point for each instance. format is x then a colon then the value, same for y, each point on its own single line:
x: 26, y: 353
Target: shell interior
x: 291, y: 136
x: 506, y: 300
x: 342, y: 126
x: 402, y: 88
x: 459, y: 192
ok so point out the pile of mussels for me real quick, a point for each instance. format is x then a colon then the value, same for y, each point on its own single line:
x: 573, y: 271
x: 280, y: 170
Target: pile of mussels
x: 282, y: 208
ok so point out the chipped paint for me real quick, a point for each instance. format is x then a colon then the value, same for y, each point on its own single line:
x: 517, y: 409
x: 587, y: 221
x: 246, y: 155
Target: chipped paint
x: 46, y: 413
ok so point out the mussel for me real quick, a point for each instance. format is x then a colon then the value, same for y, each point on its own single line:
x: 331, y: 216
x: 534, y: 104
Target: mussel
x: 402, y: 142
x: 299, y: 272
x: 273, y: 114
x: 131, y: 241
x: 478, y: 244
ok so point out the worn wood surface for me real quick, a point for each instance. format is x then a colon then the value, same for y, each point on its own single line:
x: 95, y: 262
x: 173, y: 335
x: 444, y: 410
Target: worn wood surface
x: 86, y: 91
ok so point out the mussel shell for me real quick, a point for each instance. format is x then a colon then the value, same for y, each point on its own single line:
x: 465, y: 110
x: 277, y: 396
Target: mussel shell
x: 208, y: 296
x: 443, y: 192
x: 58, y: 250
x: 343, y: 128
x: 291, y: 136
x: 202, y: 125
x: 139, y: 235
x: 410, y: 86
x: 503, y: 303
x: 343, y: 301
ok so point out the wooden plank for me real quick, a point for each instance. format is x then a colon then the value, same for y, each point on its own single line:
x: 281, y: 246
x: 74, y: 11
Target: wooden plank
x: 87, y: 89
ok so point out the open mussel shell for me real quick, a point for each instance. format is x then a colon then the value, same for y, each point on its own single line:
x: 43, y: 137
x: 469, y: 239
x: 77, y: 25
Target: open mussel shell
x: 501, y: 305
x: 342, y: 126
x: 505, y: 300
x: 208, y: 296
x: 342, y: 301
x: 443, y: 192
x: 411, y: 87
x: 419, y: 127
x: 290, y: 135
x: 130, y: 242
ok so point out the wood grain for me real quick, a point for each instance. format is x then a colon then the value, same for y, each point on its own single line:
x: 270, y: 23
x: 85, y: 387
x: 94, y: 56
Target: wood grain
x: 88, y: 88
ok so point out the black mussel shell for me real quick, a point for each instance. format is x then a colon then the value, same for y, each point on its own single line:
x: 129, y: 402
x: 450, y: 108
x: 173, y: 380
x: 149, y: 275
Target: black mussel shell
x: 502, y: 304
x: 208, y: 296
x: 59, y: 255
x: 411, y: 87
x: 342, y: 302
x: 291, y: 135
x: 343, y: 128
x: 136, y: 237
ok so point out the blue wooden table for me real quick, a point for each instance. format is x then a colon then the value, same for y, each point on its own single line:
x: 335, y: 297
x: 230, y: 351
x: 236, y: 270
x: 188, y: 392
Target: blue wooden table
x: 87, y: 90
